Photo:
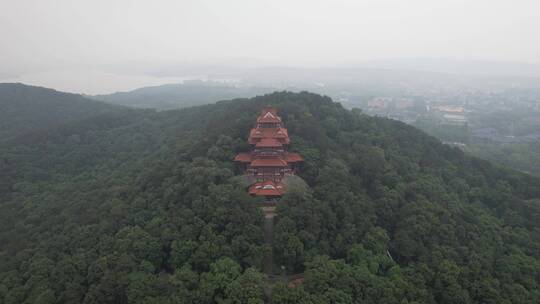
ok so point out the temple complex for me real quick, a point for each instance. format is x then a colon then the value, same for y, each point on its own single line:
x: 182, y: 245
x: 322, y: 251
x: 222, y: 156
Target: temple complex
x: 269, y: 162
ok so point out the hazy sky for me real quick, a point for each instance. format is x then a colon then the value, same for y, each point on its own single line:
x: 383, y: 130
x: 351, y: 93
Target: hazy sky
x: 40, y: 35
x: 68, y: 32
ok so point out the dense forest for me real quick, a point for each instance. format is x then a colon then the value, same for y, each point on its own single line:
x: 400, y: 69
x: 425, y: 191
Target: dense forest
x: 115, y: 205
x: 27, y: 109
x: 520, y: 156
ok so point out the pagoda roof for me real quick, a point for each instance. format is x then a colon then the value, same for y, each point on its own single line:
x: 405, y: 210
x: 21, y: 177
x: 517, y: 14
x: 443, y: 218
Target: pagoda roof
x: 268, y: 115
x: 267, y: 188
x: 269, y: 132
x: 279, y: 133
x: 269, y: 109
x: 268, y: 162
x: 268, y: 143
x: 243, y: 157
x: 293, y: 157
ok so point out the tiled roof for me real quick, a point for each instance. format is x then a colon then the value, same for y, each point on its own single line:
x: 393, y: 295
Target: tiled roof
x: 243, y: 157
x: 293, y: 157
x: 268, y: 162
x: 268, y: 143
x: 269, y: 132
x: 268, y: 115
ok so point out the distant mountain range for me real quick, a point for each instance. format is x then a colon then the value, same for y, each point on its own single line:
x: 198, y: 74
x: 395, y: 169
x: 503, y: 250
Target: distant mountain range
x: 491, y: 68
x: 370, y: 79
x: 484, y: 68
x: 389, y: 73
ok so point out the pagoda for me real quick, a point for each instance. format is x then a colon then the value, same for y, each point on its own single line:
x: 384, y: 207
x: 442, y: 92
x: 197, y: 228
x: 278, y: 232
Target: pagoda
x: 269, y: 162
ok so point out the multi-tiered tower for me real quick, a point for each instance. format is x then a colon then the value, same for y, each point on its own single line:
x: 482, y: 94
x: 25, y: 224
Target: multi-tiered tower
x: 269, y: 162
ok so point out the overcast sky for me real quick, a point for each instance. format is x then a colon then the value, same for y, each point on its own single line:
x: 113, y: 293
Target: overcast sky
x: 39, y: 35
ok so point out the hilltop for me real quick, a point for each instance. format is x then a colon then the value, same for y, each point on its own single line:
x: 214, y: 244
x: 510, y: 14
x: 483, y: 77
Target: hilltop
x: 26, y: 109
x: 175, y: 96
x: 141, y: 206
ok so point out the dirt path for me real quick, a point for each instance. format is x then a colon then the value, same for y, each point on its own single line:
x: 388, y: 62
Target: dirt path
x: 273, y: 277
x: 269, y: 241
x: 269, y: 214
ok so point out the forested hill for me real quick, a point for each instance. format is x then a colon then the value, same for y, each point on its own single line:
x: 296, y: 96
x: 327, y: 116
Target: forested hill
x: 145, y: 207
x: 175, y: 96
x: 24, y: 109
